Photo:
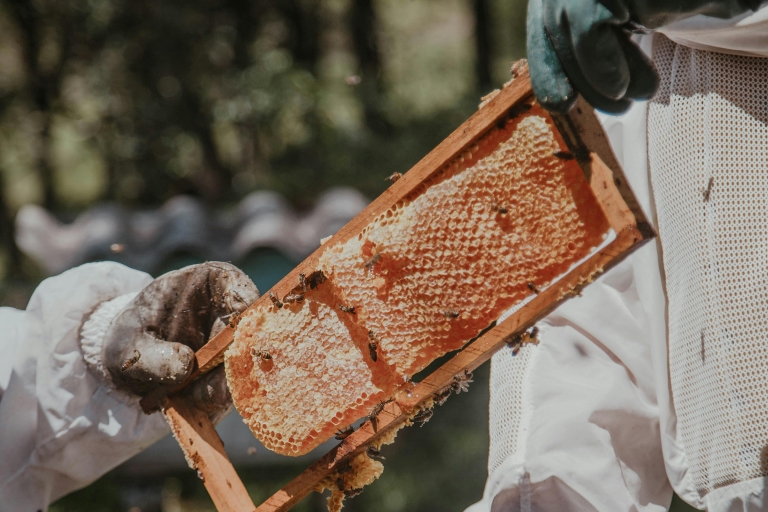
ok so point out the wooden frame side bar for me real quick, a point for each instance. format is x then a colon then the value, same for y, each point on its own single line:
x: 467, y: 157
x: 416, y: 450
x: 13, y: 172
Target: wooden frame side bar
x: 205, y: 453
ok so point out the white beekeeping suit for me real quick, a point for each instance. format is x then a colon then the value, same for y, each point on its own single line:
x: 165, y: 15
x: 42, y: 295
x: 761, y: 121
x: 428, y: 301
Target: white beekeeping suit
x: 60, y: 427
x: 657, y: 378
x: 65, y: 420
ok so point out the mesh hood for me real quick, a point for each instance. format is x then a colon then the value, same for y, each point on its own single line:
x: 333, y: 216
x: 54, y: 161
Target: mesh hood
x: 708, y: 155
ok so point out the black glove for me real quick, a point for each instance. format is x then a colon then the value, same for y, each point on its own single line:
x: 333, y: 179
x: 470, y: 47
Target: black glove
x: 152, y: 342
x: 584, y: 46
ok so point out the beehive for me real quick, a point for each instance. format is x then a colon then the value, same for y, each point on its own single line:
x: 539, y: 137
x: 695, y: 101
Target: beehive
x: 495, y: 225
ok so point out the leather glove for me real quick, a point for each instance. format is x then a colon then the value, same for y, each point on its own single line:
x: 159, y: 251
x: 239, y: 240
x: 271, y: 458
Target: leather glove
x: 152, y: 342
x: 584, y: 46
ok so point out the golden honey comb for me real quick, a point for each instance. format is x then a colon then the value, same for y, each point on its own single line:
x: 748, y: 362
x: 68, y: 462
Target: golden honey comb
x: 495, y: 225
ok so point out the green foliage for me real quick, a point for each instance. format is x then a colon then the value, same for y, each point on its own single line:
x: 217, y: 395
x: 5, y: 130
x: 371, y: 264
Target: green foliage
x: 134, y: 102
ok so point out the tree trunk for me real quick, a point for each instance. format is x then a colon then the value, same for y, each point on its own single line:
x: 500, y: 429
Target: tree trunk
x: 483, y: 43
x: 364, y: 28
x: 29, y: 20
x: 303, y: 22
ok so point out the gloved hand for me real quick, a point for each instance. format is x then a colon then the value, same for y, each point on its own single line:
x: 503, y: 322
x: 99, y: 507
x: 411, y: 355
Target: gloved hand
x: 584, y: 46
x: 152, y: 342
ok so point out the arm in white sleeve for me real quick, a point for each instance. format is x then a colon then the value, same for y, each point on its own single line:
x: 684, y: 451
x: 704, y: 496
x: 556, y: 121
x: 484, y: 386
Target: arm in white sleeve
x: 582, y: 421
x: 11, y: 321
x: 61, y: 425
x: 575, y: 421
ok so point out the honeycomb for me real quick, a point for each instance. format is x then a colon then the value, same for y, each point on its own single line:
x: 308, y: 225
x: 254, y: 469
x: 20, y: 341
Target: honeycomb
x: 500, y: 223
x: 316, y: 380
x: 494, y: 226
x: 362, y: 470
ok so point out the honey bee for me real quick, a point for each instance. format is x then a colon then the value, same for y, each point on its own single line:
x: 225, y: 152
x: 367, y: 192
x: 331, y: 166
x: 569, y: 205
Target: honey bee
x: 517, y: 341
x: 461, y: 382
x: 344, y: 469
x: 374, y: 453
x: 422, y: 417
x: 394, y: 177
x: 709, y: 189
x: 347, y: 309
x: 451, y: 313
x: 303, y: 282
x: 234, y: 319
x: 442, y: 396
x: 345, y: 433
x: 517, y: 68
x: 275, y: 300
x: 293, y: 298
x: 373, y: 261
x: 261, y: 354
x: 373, y: 345
x: 564, y: 155
x: 351, y: 493
x: 130, y: 362
x: 378, y: 408
x: 374, y: 414
x: 315, y: 279
x: 340, y: 483
x: 532, y: 286
x: 499, y: 209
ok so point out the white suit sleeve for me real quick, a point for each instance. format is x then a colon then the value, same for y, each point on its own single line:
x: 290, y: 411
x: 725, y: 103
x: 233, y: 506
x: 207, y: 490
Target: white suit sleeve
x: 61, y: 427
x: 575, y: 421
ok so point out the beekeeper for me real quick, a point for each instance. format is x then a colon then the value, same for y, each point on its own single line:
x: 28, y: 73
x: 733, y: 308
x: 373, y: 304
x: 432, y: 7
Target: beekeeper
x: 74, y: 364
x: 657, y: 378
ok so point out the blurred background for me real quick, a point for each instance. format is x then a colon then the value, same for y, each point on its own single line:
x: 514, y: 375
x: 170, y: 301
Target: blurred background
x: 161, y: 134
x: 165, y: 133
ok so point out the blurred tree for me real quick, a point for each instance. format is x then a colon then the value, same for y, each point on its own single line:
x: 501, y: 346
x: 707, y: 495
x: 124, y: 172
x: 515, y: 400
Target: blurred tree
x: 135, y: 102
x: 302, y: 19
x: 483, y: 43
x: 45, y: 47
x: 364, y: 27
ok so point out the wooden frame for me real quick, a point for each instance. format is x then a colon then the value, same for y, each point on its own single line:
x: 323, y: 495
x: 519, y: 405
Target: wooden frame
x: 583, y: 135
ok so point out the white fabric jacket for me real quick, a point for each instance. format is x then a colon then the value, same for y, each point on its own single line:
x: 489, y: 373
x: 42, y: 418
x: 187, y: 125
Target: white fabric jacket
x: 585, y: 426
x: 586, y: 421
x: 61, y: 428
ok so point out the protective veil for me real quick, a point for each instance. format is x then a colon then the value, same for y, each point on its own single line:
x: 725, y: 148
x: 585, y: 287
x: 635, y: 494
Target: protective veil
x: 617, y: 406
